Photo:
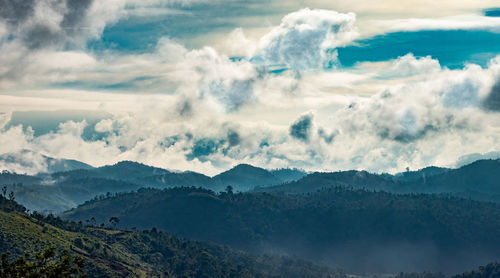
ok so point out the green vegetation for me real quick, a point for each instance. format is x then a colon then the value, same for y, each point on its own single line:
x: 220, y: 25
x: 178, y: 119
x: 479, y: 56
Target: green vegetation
x: 478, y: 181
x: 491, y: 270
x: 148, y: 253
x: 352, y: 229
x: 57, y: 192
x: 43, y: 264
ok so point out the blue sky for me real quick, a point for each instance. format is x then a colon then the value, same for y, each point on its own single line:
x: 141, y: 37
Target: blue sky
x: 205, y: 85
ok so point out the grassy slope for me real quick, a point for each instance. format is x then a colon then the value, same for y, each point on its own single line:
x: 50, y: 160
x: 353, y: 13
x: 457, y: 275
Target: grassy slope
x: 116, y: 253
x: 20, y: 233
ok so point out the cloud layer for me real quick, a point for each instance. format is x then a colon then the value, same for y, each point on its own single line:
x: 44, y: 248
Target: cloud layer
x: 287, y: 103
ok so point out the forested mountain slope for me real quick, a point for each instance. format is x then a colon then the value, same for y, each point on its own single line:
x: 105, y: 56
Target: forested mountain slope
x: 353, y: 229
x: 479, y: 180
x: 151, y: 253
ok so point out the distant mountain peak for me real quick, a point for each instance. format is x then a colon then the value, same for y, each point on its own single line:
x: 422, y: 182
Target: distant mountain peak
x: 30, y: 162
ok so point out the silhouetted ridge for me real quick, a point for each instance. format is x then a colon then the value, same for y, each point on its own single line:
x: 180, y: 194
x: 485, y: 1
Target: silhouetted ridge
x: 244, y: 177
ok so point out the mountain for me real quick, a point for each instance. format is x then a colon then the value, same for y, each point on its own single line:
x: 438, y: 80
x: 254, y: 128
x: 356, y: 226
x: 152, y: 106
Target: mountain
x: 149, y: 253
x: 349, y: 179
x: 12, y: 178
x: 60, y: 191
x: 479, y: 181
x: 127, y: 170
x: 244, y: 177
x: 178, y: 179
x: 288, y: 175
x: 32, y: 162
x: 66, y: 194
x: 482, y: 176
x: 56, y: 192
x: 353, y: 229
x: 421, y: 174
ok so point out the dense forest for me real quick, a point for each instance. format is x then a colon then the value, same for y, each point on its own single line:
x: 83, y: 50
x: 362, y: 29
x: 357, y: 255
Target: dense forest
x: 59, y: 191
x: 433, y: 219
x: 478, y: 180
x: 107, y: 252
x: 352, y: 229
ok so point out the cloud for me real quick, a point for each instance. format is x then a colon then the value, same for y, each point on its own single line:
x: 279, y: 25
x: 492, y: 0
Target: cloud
x: 238, y: 45
x: 198, y: 109
x: 24, y: 161
x: 302, y: 127
x: 42, y: 23
x: 460, y: 22
x: 414, y: 110
x: 306, y: 39
x: 4, y: 119
x: 469, y: 158
x: 409, y: 65
x: 209, y: 76
x: 492, y: 101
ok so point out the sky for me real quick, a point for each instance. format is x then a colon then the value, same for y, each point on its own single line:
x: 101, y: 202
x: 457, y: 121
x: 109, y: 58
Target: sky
x: 205, y: 85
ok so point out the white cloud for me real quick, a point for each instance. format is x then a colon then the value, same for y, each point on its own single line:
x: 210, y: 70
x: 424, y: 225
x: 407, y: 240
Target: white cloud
x: 409, y: 65
x: 460, y: 22
x: 199, y: 110
x: 305, y: 39
x: 238, y: 45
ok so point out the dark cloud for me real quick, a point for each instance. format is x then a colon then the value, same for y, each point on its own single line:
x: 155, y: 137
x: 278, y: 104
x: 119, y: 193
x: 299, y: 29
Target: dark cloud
x: 233, y: 138
x: 301, y: 128
x: 15, y: 11
x: 76, y: 12
x: 42, y: 33
x: 40, y: 36
x: 328, y: 137
x: 185, y: 109
x: 203, y: 148
x: 492, y: 102
x: 232, y: 95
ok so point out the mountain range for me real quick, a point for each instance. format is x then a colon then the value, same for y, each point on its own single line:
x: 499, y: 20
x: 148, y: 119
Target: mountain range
x: 437, y: 219
x: 62, y: 190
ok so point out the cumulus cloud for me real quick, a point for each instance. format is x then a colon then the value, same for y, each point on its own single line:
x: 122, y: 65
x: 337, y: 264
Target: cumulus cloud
x: 43, y: 23
x: 210, y: 76
x: 409, y: 65
x: 198, y: 109
x: 412, y: 122
x: 238, y: 45
x: 52, y: 31
x: 306, y: 39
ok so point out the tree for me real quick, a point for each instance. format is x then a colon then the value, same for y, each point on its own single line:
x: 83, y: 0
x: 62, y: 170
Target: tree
x: 92, y: 221
x: 114, y: 221
x: 43, y: 264
x: 4, y: 191
x: 229, y: 190
x: 11, y: 196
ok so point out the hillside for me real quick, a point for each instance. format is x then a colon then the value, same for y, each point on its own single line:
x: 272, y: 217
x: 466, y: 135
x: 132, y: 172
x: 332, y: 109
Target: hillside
x: 33, y: 162
x: 342, y: 228
x: 116, y: 253
x: 244, y: 177
x: 60, y: 191
x: 478, y: 181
